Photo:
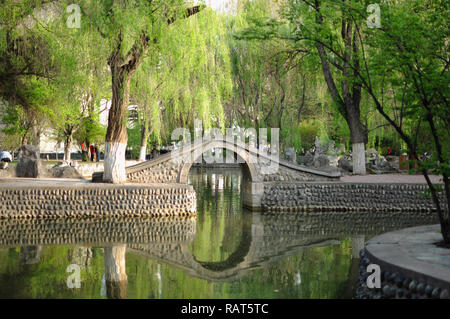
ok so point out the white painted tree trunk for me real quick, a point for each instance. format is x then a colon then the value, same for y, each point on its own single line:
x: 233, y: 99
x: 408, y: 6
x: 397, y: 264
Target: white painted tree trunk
x: 114, y: 166
x: 359, y: 159
x: 143, y: 153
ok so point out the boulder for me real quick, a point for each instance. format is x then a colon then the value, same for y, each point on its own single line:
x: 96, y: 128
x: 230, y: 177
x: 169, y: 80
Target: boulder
x: 321, y: 161
x: 345, y: 164
x: 318, y: 147
x: 333, y: 160
x: 291, y: 155
x: 394, y: 161
x: 65, y: 171
x: 380, y: 166
x: 30, y: 164
x: 372, y: 154
x: 307, y: 159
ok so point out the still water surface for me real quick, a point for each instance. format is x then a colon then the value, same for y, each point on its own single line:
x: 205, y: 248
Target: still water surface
x: 225, y: 252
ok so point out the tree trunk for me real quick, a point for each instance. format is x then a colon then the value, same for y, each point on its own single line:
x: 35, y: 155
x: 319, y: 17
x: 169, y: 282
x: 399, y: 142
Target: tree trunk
x: 68, y: 142
x: 358, y: 139
x: 349, y: 103
x: 116, y: 134
x: 144, y: 138
x: 24, y: 139
x: 68, y: 145
x: 37, y: 136
x: 122, y: 69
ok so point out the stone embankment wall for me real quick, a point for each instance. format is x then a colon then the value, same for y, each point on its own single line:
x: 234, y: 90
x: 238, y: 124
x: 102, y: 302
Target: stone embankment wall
x: 411, y: 262
x: 397, y: 285
x: 346, y: 197
x: 97, y: 201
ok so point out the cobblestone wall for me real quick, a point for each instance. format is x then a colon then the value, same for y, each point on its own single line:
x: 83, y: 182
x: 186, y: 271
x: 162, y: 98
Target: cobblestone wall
x: 397, y: 285
x: 97, y: 201
x: 346, y: 197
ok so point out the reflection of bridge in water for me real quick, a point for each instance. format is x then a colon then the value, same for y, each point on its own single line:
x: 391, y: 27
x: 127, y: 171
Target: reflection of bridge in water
x: 264, y: 238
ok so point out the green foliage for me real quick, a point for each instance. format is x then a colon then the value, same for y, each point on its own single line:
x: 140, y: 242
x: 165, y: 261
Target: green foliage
x: 134, y: 141
x: 188, y: 78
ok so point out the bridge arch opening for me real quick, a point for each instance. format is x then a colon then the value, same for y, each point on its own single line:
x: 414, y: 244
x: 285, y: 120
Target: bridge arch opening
x: 241, y: 156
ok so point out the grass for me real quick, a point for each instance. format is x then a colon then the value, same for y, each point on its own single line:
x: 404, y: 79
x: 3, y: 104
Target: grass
x: 45, y: 162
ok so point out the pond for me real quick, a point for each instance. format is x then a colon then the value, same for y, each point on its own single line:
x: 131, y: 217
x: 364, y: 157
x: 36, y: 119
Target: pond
x: 224, y: 252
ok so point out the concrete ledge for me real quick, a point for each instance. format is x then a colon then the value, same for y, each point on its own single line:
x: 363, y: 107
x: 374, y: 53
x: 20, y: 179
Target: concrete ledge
x: 411, y: 265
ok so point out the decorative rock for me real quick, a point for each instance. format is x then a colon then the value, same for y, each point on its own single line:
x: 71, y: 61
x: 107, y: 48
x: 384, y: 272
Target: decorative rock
x: 444, y: 294
x: 413, y: 286
x: 30, y: 164
x: 428, y: 290
x: 362, y: 253
x: 421, y: 288
x: 435, y: 293
x: 65, y: 171
x: 366, y: 261
x: 399, y: 281
x: 307, y: 159
x: 345, y: 164
x: 389, y: 291
x: 406, y: 283
x: 392, y: 277
x: 291, y: 155
x: 321, y: 161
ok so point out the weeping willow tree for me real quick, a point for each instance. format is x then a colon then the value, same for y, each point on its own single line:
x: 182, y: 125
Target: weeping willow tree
x: 25, y: 69
x: 276, y: 83
x: 53, y: 73
x: 129, y: 30
x: 189, y: 78
x: 79, y: 85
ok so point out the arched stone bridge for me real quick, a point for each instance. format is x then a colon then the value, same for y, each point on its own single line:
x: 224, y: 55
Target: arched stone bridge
x: 259, y: 168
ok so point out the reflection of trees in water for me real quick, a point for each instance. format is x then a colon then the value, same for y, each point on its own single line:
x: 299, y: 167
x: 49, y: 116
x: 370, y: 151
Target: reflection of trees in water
x: 30, y: 255
x: 337, y: 223
x: 82, y: 256
x: 116, y: 279
x: 219, y: 223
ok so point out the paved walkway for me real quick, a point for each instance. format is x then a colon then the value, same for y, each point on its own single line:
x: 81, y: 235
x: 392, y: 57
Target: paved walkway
x: 390, y: 178
x: 384, y: 178
x: 24, y: 181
